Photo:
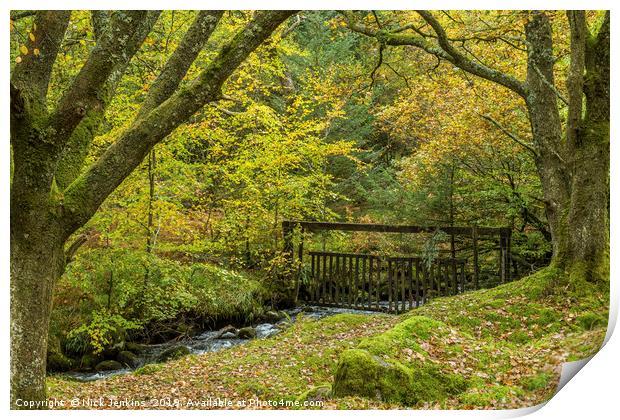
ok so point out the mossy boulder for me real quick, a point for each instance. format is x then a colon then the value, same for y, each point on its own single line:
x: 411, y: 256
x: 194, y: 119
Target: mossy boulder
x: 360, y: 373
x: 128, y: 359
x: 135, y: 348
x: 272, y: 316
x: 172, y: 353
x: 227, y: 332
x: 58, y: 362
x: 376, y: 368
x: 89, y: 361
x: 409, y: 333
x: 107, y: 365
x: 247, y: 332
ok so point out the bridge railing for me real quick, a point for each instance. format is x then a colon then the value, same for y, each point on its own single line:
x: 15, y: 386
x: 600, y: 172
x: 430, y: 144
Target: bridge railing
x: 379, y: 283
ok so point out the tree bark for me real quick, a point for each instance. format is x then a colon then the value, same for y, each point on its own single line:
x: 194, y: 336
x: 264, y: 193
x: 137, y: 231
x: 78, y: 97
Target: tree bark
x: 573, y: 165
x: 37, y: 260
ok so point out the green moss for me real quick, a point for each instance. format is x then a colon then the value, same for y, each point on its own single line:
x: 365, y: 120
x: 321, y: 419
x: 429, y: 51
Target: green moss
x: 590, y: 321
x: 58, y: 362
x: 148, y: 369
x: 490, y: 396
x: 172, y: 353
x: 360, y: 373
x: 519, y: 337
x: 316, y: 393
x: 409, y: 333
x: 534, y: 383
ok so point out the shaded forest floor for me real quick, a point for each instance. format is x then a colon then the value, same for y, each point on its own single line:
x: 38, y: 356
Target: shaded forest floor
x: 505, y: 344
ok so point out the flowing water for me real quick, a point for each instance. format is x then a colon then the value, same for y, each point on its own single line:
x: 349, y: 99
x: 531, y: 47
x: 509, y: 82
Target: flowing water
x: 208, y: 341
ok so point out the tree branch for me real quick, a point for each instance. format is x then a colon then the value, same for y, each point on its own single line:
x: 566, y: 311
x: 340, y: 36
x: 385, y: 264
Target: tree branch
x: 34, y: 71
x: 73, y: 248
x: 76, y: 149
x: 84, y: 94
x: 445, y: 50
x: 179, y: 63
x: 100, y: 20
x: 574, y: 82
x: 23, y: 14
x: 511, y: 135
x: 468, y: 65
x: 86, y: 193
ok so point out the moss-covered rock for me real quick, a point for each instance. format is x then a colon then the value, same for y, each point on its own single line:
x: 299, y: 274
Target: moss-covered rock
x: 272, y: 316
x: 58, y: 362
x: 135, y: 348
x: 359, y: 373
x: 174, y: 352
x: 227, y: 332
x: 128, y: 359
x: 108, y: 365
x: 409, y: 333
x: 247, y: 332
x: 88, y: 361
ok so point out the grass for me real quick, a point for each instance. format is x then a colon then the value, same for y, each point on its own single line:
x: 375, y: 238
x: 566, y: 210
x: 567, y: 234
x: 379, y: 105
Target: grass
x: 496, y: 348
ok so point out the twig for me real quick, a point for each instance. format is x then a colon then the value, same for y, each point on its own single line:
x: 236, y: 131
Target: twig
x: 509, y: 134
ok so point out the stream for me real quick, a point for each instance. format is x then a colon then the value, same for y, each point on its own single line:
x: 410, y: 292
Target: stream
x: 208, y: 341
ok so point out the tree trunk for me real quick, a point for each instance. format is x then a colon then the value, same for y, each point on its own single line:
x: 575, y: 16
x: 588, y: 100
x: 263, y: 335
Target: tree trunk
x: 588, y: 215
x: 37, y: 260
x: 573, y: 165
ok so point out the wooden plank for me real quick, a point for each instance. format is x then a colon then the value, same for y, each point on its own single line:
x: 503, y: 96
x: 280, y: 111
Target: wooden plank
x: 336, y: 279
x: 356, y: 281
x: 313, y: 278
x: 330, y: 282
x: 417, y: 284
x: 371, y: 262
x: 410, y: 278
x: 350, y: 284
x: 363, y: 282
x: 389, y: 282
x: 403, y: 279
x: 324, y: 280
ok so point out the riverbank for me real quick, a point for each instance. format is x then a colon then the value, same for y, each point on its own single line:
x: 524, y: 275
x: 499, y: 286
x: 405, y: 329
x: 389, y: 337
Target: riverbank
x: 506, y: 344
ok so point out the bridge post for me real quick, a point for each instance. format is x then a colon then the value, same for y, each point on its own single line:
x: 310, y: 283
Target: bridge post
x: 474, y: 236
x: 504, y: 245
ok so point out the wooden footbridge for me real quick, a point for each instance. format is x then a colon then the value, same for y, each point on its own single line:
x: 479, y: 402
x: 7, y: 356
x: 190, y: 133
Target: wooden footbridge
x: 391, y: 283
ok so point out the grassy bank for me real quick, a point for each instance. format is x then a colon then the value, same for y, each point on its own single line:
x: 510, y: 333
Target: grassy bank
x: 496, y: 348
